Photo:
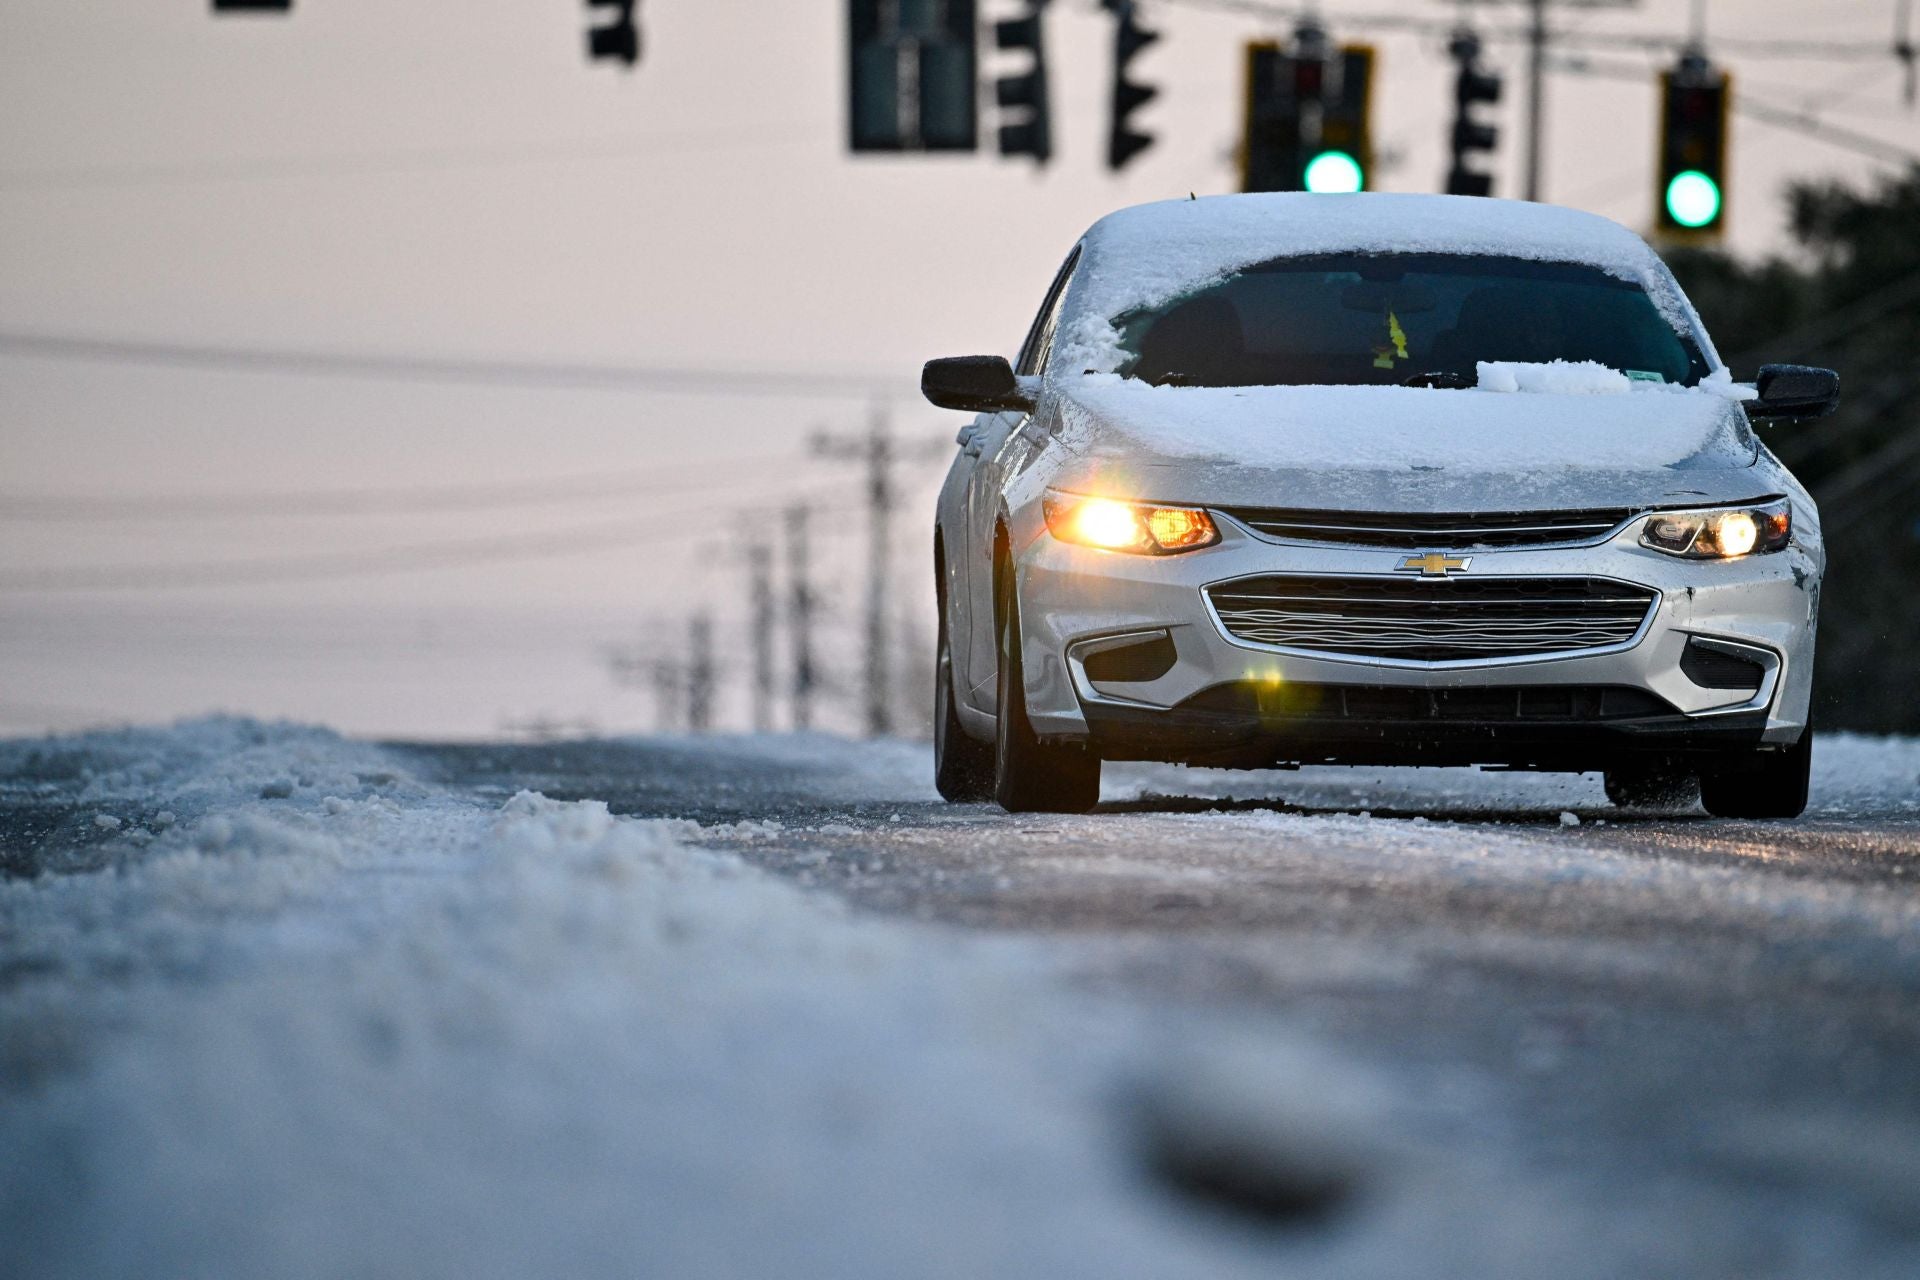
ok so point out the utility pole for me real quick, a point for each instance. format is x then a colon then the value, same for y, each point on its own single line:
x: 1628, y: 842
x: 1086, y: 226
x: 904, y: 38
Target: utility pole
x: 877, y: 452
x: 699, y: 673
x: 800, y: 616
x: 1536, y: 93
x: 666, y: 695
x: 760, y: 621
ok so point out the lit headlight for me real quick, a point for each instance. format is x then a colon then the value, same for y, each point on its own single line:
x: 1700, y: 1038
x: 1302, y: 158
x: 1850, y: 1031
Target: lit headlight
x: 1140, y: 528
x: 1720, y: 534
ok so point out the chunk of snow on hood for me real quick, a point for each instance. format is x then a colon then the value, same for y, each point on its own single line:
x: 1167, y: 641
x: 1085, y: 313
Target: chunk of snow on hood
x: 1590, y: 377
x: 1151, y: 254
x: 1556, y: 377
x: 1398, y: 428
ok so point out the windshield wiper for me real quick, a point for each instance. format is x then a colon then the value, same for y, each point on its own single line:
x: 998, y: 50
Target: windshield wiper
x: 1443, y: 379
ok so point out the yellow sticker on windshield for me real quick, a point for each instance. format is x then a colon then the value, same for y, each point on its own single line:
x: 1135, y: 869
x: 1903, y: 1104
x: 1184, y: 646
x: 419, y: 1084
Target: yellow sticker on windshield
x: 1383, y: 356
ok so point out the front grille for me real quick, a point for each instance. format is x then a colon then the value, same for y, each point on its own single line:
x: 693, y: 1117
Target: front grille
x: 1432, y: 620
x: 1454, y: 531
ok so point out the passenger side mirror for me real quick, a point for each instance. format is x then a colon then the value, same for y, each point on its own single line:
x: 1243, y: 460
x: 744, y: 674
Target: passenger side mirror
x: 975, y: 384
x: 1794, y: 391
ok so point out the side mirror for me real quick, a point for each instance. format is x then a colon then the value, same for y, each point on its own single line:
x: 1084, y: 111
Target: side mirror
x: 1794, y: 391
x: 976, y: 384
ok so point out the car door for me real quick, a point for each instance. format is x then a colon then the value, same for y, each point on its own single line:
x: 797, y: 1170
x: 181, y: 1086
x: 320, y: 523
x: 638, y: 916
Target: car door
x: 1000, y: 445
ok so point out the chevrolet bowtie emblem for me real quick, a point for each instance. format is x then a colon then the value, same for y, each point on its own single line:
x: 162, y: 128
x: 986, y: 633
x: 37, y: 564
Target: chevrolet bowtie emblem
x: 1434, y: 564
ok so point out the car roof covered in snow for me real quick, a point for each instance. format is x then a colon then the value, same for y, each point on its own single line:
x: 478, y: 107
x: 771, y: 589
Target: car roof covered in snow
x: 1152, y: 254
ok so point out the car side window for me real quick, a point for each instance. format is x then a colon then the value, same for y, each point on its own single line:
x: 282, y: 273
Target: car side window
x: 1039, y: 343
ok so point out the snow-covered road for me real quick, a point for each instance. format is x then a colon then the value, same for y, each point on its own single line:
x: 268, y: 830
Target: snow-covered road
x: 273, y: 1002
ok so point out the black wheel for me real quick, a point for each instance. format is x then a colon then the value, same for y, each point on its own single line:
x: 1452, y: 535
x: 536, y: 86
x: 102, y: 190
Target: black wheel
x: 1657, y: 784
x: 1031, y: 776
x: 962, y: 767
x: 1759, y: 784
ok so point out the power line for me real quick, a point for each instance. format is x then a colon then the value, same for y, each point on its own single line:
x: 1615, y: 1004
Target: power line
x: 1830, y: 326
x: 1758, y: 109
x: 434, y: 369
x: 422, y: 500
x: 411, y: 558
x: 399, y: 161
x: 1749, y: 46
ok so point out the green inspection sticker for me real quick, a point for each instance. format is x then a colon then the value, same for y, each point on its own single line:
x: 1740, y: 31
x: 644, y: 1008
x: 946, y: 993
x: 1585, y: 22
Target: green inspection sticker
x: 1643, y: 375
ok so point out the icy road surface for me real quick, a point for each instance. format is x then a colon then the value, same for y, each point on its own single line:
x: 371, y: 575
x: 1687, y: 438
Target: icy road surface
x: 277, y: 1003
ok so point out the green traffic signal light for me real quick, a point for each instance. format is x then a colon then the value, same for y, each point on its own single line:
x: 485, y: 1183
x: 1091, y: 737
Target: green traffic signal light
x: 1334, y: 172
x: 1693, y: 199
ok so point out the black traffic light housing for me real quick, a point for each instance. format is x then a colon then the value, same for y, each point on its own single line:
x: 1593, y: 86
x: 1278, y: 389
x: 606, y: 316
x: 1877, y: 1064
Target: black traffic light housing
x: 912, y: 76
x: 1470, y: 137
x: 1124, y: 142
x: 1308, y: 113
x: 1691, y: 182
x: 1026, y: 128
x: 615, y: 35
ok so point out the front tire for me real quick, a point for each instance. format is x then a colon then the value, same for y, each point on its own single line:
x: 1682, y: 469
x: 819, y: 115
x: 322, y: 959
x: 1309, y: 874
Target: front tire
x: 1760, y: 784
x: 1031, y: 776
x: 962, y: 767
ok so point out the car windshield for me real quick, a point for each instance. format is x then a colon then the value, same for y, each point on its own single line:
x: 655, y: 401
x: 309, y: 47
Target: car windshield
x: 1398, y: 318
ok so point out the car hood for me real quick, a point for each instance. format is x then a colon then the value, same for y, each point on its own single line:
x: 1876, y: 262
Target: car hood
x: 1404, y: 448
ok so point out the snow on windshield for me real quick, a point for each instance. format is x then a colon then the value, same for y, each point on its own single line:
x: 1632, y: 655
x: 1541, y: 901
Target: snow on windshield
x: 1150, y: 255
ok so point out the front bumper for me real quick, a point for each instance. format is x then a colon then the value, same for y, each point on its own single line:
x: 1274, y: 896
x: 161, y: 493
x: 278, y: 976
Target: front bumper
x: 1221, y: 699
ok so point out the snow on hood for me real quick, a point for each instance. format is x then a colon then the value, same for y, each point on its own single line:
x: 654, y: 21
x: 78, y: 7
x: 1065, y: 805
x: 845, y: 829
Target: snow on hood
x: 1151, y: 254
x: 1637, y: 428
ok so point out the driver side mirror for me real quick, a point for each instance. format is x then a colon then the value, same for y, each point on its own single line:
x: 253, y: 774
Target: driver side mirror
x: 975, y: 384
x: 1794, y: 391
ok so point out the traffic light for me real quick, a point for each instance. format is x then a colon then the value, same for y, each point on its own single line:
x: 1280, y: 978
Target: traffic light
x: 1690, y: 186
x: 1308, y: 117
x: 618, y: 37
x: 1470, y: 136
x: 911, y: 75
x: 1027, y: 129
x: 1129, y: 38
x: 1343, y: 156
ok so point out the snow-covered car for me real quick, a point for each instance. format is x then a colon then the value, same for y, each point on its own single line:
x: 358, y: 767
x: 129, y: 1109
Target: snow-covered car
x: 1385, y: 479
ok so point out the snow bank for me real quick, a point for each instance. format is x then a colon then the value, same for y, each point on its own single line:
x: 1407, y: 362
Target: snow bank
x: 1404, y: 428
x: 360, y: 1025
x: 1150, y: 254
x: 399, y: 1033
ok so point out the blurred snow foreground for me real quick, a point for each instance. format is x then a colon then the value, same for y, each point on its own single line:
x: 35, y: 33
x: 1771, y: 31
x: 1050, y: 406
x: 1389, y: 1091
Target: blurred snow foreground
x: 320, y: 1017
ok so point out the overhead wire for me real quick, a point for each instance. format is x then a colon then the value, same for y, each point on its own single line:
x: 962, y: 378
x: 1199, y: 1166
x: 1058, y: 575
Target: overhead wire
x: 1749, y: 46
x: 1755, y: 108
x: 398, y: 161
x: 678, y: 380
x: 414, y: 500
x: 657, y: 528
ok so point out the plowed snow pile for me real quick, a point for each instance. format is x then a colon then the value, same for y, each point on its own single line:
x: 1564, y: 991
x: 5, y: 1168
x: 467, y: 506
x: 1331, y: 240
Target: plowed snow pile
x: 317, y: 1017
x: 275, y: 1007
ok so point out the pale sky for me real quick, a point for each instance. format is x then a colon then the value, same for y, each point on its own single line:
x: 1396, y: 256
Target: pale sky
x: 450, y: 178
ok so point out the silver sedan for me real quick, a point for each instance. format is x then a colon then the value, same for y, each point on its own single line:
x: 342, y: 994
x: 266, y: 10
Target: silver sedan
x: 1289, y: 479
